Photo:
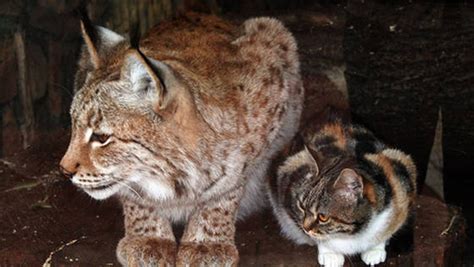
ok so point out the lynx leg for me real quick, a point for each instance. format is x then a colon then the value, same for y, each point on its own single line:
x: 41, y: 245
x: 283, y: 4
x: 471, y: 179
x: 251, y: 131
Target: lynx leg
x: 149, y: 238
x: 208, y: 239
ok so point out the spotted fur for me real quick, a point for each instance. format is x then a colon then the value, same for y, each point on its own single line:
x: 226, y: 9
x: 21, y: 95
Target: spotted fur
x: 183, y: 130
x: 343, y: 190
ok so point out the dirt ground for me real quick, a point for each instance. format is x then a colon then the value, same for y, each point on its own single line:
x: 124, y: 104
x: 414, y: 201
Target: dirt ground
x: 45, y: 220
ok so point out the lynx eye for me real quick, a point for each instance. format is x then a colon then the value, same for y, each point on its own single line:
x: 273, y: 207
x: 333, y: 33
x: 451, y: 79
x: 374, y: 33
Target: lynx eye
x: 101, y: 138
x: 323, y: 218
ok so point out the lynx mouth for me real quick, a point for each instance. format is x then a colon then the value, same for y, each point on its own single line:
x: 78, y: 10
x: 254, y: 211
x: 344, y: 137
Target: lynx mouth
x: 98, y: 188
x: 103, y: 191
x: 98, y: 191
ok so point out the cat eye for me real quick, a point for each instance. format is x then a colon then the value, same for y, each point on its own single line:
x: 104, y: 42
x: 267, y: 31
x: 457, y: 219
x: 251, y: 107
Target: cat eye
x: 101, y: 138
x: 323, y: 218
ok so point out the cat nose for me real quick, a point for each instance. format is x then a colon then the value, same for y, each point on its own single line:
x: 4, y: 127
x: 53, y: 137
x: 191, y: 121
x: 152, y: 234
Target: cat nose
x: 311, y: 232
x: 307, y: 229
x: 308, y: 223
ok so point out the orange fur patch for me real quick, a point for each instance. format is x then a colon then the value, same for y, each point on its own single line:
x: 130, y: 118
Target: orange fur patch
x: 406, y: 161
x: 400, y: 201
x: 337, y: 132
x: 369, y: 193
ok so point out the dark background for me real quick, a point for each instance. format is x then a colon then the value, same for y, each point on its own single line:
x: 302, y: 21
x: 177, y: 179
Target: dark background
x: 404, y: 62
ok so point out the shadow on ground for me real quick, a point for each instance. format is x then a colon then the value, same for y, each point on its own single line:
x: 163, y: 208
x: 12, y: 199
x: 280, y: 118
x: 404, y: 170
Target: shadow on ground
x: 45, y: 219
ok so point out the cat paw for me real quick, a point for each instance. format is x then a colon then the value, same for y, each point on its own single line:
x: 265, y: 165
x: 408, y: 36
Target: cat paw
x: 331, y: 259
x: 374, y: 256
x: 146, y: 251
x: 207, y: 254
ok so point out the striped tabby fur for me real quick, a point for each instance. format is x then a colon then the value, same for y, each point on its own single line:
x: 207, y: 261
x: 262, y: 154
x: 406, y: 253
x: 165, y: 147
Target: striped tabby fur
x: 342, y: 189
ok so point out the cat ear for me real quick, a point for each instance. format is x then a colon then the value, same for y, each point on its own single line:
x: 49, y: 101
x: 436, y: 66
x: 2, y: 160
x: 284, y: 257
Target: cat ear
x: 150, y: 77
x: 312, y: 157
x: 349, y: 185
x: 97, y: 40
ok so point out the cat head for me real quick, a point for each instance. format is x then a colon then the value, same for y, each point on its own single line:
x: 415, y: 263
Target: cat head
x: 126, y: 108
x: 325, y: 196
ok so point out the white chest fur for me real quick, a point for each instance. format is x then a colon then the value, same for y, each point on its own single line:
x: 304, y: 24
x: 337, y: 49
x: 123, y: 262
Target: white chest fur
x: 371, y: 236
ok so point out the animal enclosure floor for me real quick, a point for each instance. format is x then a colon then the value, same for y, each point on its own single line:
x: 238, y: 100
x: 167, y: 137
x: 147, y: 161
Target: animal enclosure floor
x: 45, y: 219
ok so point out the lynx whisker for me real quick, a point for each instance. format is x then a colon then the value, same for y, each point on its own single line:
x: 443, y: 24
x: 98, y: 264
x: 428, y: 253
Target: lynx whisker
x: 127, y: 186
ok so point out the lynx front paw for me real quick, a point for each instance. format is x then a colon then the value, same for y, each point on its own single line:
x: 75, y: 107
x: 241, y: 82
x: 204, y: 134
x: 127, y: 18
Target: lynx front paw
x: 331, y: 259
x: 146, y: 251
x: 207, y: 254
x: 374, y: 256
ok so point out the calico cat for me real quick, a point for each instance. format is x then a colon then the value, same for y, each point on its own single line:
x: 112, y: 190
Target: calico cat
x: 343, y: 190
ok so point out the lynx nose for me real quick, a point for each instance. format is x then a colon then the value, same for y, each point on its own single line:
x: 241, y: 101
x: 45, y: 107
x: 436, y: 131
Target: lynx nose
x: 68, y: 169
x: 65, y: 172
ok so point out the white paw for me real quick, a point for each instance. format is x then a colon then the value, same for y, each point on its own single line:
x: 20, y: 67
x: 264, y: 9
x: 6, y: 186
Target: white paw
x: 374, y: 256
x: 331, y: 259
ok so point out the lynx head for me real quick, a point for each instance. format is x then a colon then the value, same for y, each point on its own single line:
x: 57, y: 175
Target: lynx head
x: 125, y: 114
x: 325, y: 195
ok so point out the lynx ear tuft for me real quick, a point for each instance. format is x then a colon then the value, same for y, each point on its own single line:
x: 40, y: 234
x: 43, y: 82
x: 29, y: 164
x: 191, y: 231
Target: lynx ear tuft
x: 97, y: 39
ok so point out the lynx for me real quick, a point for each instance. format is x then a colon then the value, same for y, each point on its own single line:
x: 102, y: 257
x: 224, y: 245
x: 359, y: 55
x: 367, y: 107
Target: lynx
x: 182, y: 129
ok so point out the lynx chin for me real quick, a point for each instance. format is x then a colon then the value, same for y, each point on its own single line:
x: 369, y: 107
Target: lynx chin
x: 181, y: 129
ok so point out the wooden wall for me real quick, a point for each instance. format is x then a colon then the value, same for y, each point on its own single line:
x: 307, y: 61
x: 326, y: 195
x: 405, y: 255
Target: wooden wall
x: 39, y: 45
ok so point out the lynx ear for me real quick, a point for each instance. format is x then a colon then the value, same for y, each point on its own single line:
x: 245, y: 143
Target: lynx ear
x: 349, y: 184
x: 312, y: 157
x: 150, y: 77
x: 97, y: 41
